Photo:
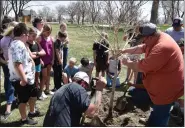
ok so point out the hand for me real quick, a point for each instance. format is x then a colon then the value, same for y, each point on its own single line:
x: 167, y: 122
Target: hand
x: 23, y: 82
x: 124, y: 61
x: 34, y: 53
x: 42, y: 63
x: 101, y: 83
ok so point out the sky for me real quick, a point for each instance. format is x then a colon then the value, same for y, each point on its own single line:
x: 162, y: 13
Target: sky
x: 52, y: 4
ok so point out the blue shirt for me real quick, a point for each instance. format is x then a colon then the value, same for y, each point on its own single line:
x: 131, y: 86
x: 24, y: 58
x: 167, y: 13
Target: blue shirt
x: 71, y: 71
x: 176, y: 35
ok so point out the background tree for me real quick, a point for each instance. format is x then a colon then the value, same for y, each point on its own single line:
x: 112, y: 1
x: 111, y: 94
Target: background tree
x: 71, y: 10
x: 61, y: 11
x: 154, y: 12
x: 1, y: 13
x: 18, y: 6
x: 94, y: 9
x: 83, y: 10
x: 6, y: 8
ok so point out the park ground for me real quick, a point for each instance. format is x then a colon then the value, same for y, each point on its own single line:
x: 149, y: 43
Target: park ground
x: 81, y: 42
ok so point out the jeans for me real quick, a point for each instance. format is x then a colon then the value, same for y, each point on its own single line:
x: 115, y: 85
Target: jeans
x: 139, y: 96
x: 160, y: 115
x: 65, y: 55
x: 9, y: 89
x: 57, y: 76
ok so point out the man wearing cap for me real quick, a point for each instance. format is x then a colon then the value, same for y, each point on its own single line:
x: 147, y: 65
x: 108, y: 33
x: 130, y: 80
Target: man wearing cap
x: 162, y: 78
x: 177, y: 30
x: 71, y: 100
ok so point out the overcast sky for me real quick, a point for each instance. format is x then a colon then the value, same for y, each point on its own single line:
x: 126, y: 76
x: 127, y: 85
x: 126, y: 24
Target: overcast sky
x: 52, y: 4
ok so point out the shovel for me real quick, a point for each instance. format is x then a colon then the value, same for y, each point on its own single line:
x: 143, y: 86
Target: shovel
x: 122, y: 101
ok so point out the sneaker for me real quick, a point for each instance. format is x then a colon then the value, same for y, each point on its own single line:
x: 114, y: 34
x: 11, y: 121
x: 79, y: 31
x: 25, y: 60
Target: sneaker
x: 29, y: 122
x: 44, y: 95
x: 54, y: 90
x: 36, y: 114
x: 47, y: 92
x: 6, y: 115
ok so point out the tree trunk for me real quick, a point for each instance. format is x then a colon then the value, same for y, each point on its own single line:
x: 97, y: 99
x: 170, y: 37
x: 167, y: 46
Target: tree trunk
x: 1, y: 13
x: 113, y: 91
x: 172, y: 16
x: 154, y: 11
x: 83, y: 17
x: 17, y: 17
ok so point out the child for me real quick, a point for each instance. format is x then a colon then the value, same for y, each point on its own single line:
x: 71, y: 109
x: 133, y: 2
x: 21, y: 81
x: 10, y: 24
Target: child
x: 58, y: 62
x: 38, y: 25
x: 69, y: 71
x: 47, y: 44
x: 36, y: 53
x: 86, y: 66
x: 112, y: 70
x: 63, y: 28
x: 100, y: 56
x: 134, y: 57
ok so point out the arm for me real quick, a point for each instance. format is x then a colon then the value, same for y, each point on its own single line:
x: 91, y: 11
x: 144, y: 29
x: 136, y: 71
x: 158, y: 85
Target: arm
x: 134, y: 50
x: 58, y: 56
x: 93, y: 107
x: 41, y: 50
x: 94, y: 56
x: 3, y: 61
x: 53, y: 52
x: 19, y: 68
x: 131, y: 64
x: 32, y: 54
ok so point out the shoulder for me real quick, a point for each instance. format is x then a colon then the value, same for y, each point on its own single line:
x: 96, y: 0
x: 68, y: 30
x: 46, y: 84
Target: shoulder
x: 169, y: 30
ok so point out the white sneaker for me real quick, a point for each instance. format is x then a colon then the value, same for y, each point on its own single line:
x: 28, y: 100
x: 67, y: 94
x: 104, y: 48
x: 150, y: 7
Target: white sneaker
x: 44, y: 95
x: 51, y: 93
x: 47, y: 92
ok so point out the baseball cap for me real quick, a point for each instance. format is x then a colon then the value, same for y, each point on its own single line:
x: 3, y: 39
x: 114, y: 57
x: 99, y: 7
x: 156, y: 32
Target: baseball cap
x: 147, y: 29
x: 83, y: 76
x: 177, y: 22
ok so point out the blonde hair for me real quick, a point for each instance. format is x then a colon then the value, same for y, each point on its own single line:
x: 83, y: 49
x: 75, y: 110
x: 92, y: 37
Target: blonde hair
x: 10, y: 28
x: 72, y: 59
x: 104, y: 35
x: 63, y: 24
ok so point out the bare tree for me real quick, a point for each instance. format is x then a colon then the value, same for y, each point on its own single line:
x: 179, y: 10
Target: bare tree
x: 78, y: 12
x: 154, y: 12
x: 109, y: 10
x: 61, y: 10
x: 18, y: 6
x: 83, y: 10
x: 6, y: 8
x: 47, y: 13
x: 71, y: 10
x: 95, y: 7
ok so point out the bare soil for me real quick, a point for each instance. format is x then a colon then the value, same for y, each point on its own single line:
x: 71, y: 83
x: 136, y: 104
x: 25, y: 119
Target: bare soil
x: 130, y: 116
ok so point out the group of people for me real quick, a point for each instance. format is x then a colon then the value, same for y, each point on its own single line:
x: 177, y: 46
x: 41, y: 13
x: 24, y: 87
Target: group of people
x: 29, y: 54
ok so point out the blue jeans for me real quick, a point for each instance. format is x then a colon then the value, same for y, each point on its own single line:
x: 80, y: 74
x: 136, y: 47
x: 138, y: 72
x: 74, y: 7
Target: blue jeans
x: 160, y: 115
x: 65, y: 55
x: 139, y: 96
x: 9, y: 89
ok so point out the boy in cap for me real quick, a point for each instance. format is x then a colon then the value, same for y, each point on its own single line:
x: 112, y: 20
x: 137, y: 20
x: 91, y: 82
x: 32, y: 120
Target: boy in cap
x: 38, y: 25
x: 162, y: 78
x: 177, y: 30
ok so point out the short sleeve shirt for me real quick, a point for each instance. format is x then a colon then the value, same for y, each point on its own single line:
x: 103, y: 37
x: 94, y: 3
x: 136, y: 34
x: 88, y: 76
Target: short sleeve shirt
x: 66, y: 106
x: 19, y: 53
x: 174, y: 34
x: 59, y: 46
x: 71, y: 71
x: 100, y: 50
x: 113, y: 67
x: 163, y: 69
x: 87, y: 69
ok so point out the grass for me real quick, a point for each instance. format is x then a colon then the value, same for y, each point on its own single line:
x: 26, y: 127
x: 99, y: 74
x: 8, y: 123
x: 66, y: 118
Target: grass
x: 81, y: 42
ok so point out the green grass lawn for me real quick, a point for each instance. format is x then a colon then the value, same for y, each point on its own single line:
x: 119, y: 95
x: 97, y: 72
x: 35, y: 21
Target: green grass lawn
x: 81, y: 42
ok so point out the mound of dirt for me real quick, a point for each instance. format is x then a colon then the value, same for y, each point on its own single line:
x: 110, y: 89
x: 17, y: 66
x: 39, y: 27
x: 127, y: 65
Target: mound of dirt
x: 131, y: 116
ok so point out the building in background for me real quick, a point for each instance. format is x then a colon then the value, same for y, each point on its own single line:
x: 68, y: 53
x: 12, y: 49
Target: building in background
x: 27, y: 16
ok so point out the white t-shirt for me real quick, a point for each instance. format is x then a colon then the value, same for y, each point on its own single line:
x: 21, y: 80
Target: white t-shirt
x: 37, y: 31
x: 174, y: 34
x: 113, y: 66
x: 19, y: 53
x: 87, y: 69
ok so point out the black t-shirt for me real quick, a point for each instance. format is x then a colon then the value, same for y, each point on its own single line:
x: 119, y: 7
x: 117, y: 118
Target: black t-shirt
x: 100, y: 50
x: 34, y: 48
x: 59, y: 46
x: 66, y: 106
